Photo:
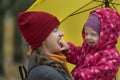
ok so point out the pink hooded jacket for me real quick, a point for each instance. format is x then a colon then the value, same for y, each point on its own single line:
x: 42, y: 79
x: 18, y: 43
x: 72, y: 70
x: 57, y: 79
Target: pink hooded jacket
x: 100, y: 62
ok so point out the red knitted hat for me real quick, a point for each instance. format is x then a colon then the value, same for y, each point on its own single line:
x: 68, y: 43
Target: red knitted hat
x: 36, y: 26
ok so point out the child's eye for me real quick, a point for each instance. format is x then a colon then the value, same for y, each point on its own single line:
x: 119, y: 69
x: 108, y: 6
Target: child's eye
x: 94, y: 34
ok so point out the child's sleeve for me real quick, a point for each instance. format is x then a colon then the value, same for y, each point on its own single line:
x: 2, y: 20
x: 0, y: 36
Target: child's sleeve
x: 105, y: 69
x: 73, y: 54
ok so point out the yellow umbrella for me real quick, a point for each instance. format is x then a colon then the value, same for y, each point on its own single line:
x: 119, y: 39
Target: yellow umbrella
x: 64, y: 9
x: 73, y: 14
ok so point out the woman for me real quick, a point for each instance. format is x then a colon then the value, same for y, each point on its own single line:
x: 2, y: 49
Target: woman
x: 42, y: 33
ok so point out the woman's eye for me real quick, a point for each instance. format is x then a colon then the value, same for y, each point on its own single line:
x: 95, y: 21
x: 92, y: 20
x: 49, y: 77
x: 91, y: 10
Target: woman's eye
x: 56, y: 29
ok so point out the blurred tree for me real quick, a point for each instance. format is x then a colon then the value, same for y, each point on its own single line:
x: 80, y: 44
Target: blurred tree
x: 1, y: 41
x: 3, y: 8
x: 20, y: 5
x: 14, y: 6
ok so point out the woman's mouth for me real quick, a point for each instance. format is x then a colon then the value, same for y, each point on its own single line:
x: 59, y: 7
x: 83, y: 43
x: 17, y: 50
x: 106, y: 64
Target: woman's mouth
x: 59, y: 43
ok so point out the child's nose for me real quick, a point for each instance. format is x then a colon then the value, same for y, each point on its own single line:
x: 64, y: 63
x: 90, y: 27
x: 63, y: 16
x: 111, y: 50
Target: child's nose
x: 88, y: 37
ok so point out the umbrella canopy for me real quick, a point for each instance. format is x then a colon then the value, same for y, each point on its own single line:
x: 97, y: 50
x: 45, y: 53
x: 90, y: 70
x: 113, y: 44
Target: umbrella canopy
x: 73, y: 14
x: 64, y: 9
x: 59, y: 8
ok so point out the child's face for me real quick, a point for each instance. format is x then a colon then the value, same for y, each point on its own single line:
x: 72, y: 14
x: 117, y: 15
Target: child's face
x: 91, y: 36
x: 52, y: 42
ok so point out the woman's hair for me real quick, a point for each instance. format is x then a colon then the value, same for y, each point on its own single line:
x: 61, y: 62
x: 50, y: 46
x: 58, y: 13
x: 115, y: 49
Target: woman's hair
x: 39, y: 57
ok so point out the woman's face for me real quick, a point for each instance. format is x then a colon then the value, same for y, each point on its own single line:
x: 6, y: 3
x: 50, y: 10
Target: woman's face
x: 91, y: 36
x: 52, y: 42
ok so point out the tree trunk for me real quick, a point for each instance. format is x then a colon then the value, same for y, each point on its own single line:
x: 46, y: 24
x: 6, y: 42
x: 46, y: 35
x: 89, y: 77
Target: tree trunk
x: 1, y: 45
x: 19, y: 6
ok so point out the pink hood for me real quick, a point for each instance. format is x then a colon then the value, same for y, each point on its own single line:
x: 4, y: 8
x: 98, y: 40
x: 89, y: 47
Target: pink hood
x: 109, y: 28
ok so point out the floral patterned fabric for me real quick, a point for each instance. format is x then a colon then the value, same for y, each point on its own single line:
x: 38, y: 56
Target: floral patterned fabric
x: 100, y: 62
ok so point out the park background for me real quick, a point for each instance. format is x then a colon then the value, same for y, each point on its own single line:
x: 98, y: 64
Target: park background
x: 12, y: 45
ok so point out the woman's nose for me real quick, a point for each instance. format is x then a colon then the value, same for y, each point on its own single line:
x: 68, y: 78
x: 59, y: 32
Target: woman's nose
x: 61, y: 33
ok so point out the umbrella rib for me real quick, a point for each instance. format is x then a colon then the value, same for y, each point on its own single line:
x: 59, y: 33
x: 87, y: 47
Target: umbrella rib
x: 115, y: 3
x: 41, y: 2
x: 114, y: 7
x: 76, y: 11
x: 80, y: 12
x: 86, y: 10
x: 82, y: 7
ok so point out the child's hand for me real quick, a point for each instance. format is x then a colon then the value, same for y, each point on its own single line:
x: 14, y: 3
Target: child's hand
x: 64, y: 46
